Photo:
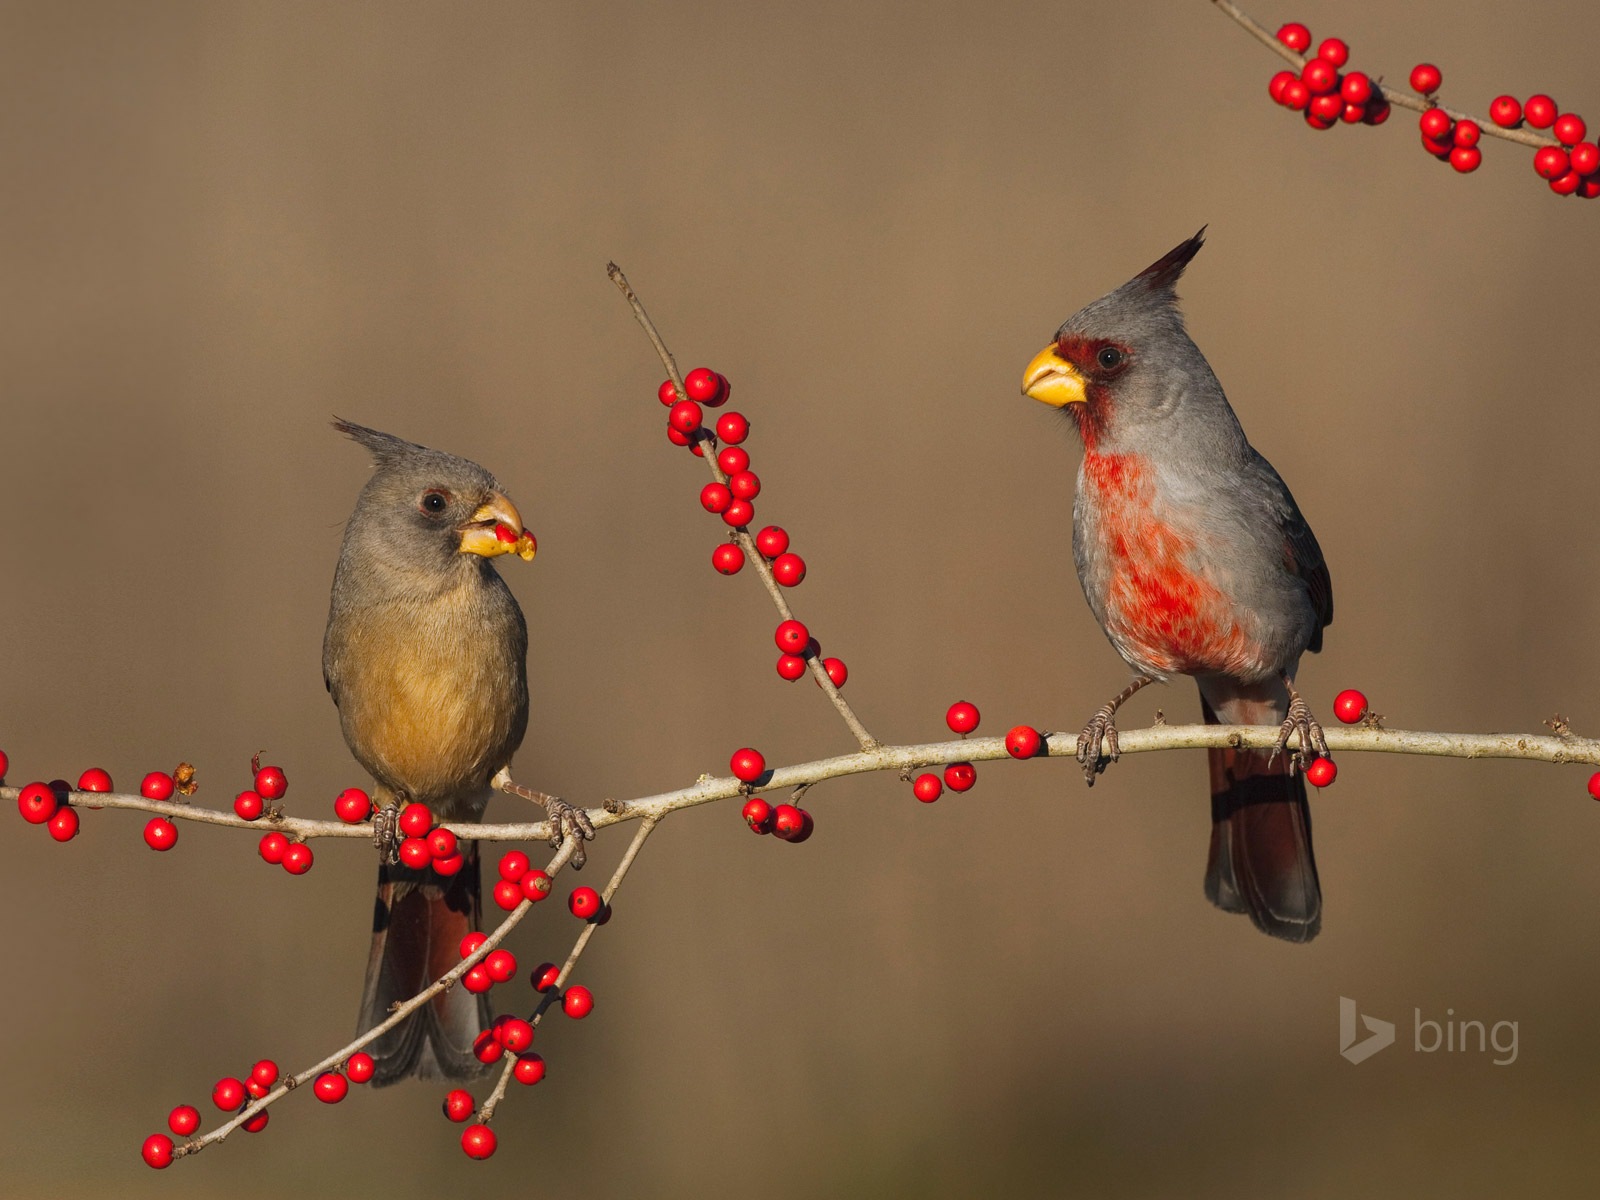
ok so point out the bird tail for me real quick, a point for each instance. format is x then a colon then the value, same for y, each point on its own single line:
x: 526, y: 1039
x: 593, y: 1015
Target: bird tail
x: 417, y: 926
x: 1260, y: 861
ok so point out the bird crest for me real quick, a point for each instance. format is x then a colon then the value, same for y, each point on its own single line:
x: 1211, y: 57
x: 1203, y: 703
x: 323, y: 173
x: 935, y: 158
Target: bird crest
x: 1163, y: 274
x: 385, y: 447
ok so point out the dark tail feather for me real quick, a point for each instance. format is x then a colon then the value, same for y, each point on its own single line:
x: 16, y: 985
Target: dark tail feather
x: 1261, y: 861
x: 417, y: 927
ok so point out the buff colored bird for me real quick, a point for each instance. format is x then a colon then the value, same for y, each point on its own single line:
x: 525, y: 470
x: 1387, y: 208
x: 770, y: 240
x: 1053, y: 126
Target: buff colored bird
x: 1196, y: 561
x: 425, y: 656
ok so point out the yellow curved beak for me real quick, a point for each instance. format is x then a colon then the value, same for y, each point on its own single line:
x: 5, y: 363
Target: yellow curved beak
x: 496, y: 528
x: 1052, y: 380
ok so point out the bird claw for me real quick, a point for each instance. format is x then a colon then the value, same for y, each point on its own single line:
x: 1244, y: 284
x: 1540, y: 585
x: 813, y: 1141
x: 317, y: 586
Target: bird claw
x: 566, y: 820
x: 1097, y: 744
x: 386, y: 833
x: 1313, y: 741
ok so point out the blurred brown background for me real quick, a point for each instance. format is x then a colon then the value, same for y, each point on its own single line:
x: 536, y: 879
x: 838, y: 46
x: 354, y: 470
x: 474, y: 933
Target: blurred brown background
x: 222, y: 224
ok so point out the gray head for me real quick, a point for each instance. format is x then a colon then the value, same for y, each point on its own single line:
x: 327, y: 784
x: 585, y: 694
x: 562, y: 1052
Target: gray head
x: 1123, y: 365
x: 425, y: 513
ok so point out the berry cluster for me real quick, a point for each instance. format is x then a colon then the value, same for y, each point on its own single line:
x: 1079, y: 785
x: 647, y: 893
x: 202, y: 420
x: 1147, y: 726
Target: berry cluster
x: 786, y: 821
x: 519, y: 881
x: 1328, y: 95
x: 962, y: 717
x: 425, y: 845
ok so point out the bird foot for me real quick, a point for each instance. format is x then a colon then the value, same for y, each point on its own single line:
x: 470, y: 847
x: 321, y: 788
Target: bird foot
x: 566, y: 820
x: 1097, y: 744
x: 386, y: 833
x: 1300, y: 722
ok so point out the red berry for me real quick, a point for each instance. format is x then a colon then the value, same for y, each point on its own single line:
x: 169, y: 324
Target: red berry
x: 724, y: 390
x: 529, y: 1068
x: 702, y: 384
x: 459, y: 1105
x: 667, y: 393
x: 787, y: 820
x: 184, y: 1120
x: 1466, y: 133
x: 772, y: 541
x: 415, y: 820
x: 1589, y: 187
x: 740, y: 513
x: 1569, y: 129
x: 92, y: 780
x: 732, y: 428
x: 791, y: 637
x: 1334, y: 51
x: 1585, y: 157
x: 1435, y: 123
x: 256, y: 1123
x: 1426, y: 78
x: 927, y: 788
x: 1594, y: 785
x: 414, y: 853
x: 789, y: 569
x: 478, y: 1141
x: 156, y: 786
x: 1319, y: 77
x: 1506, y: 112
x: 1356, y: 88
x: 678, y: 438
x: 352, y: 806
x: 791, y: 666
x: 745, y: 485
x: 360, y: 1067
x: 962, y: 717
x: 836, y: 670
x: 728, y: 559
x: 544, y: 977
x: 271, y: 783
x: 584, y: 903
x: 1551, y: 162
x: 265, y: 1072
x: 515, y: 1034
x: 501, y: 965
x: 1316, y: 122
x: 248, y: 805
x: 513, y: 865
x: 1277, y: 83
x: 535, y: 886
x: 1436, y: 147
x: 1540, y: 111
x: 441, y: 843
x: 297, y: 859
x: 1566, y: 184
x: 5, y: 764
x: 64, y: 825
x: 1295, y: 36
x: 807, y: 827
x: 157, y: 1151
x: 1353, y: 114
x: 757, y: 814
x: 578, y: 1002
x: 1350, y: 706
x: 1377, y: 115
x: 1466, y: 158
x: 733, y: 459
x: 228, y: 1094
x: 160, y: 834
x: 1321, y: 772
x: 1296, y: 95
x: 1023, y: 742
x: 451, y: 864
x: 37, y: 803
x: 1326, y: 108
x: 331, y: 1087
x: 747, y: 765
x: 272, y: 848
x: 684, y: 417
x: 472, y: 942
x: 959, y: 777
x: 715, y: 498
x: 477, y: 982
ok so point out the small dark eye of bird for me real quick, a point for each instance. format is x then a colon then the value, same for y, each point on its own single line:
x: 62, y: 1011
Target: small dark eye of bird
x: 434, y: 502
x: 1110, y: 358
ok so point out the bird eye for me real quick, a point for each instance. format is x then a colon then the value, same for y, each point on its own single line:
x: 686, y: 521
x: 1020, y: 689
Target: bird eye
x: 1110, y: 358
x: 434, y: 502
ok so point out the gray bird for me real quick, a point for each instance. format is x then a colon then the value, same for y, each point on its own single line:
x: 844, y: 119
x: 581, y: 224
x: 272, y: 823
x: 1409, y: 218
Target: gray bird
x: 425, y: 656
x: 1196, y: 561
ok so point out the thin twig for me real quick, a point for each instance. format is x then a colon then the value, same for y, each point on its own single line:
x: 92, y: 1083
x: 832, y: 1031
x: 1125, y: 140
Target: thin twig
x: 746, y: 542
x: 646, y: 828
x: 1414, y: 101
